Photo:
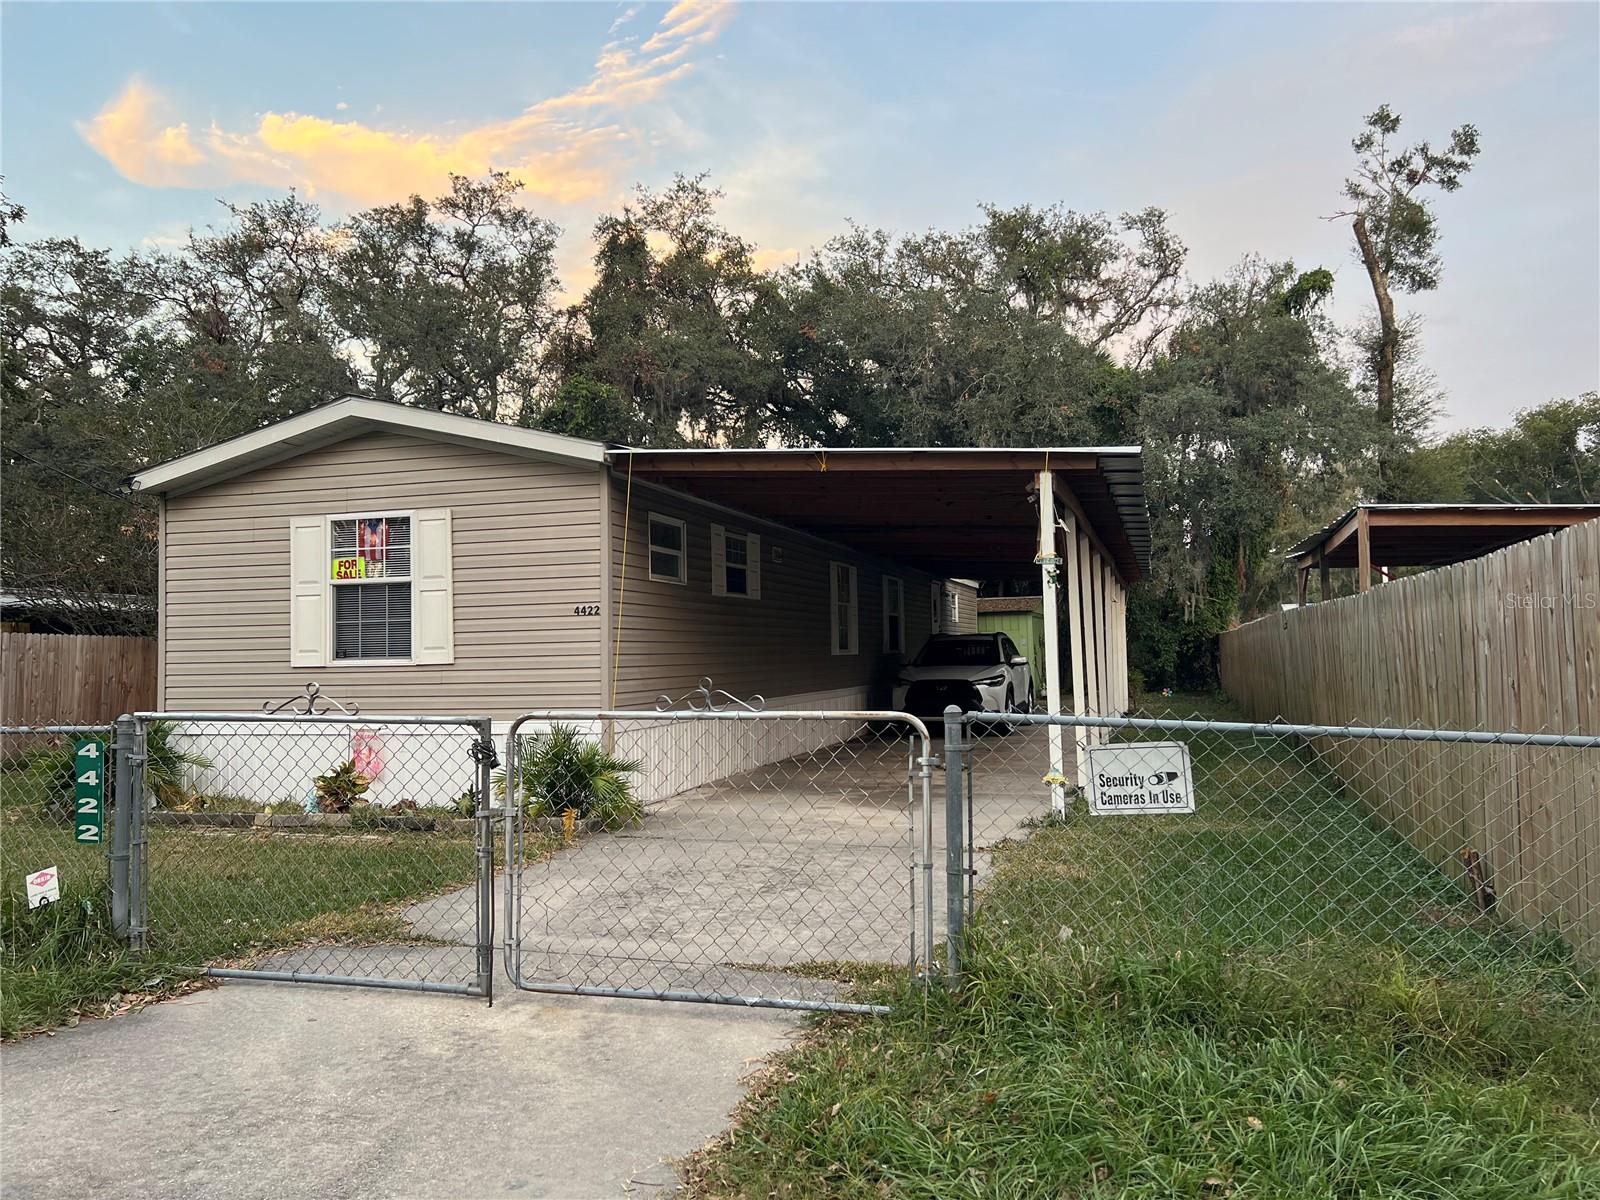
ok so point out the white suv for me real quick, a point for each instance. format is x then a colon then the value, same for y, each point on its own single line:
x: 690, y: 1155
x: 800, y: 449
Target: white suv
x: 977, y: 672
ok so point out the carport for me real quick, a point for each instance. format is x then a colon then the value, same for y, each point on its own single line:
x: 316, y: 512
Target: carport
x: 1075, y: 514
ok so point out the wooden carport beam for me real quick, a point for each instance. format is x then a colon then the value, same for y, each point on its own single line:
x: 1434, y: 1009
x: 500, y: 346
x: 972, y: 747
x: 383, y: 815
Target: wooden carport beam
x: 1363, y: 550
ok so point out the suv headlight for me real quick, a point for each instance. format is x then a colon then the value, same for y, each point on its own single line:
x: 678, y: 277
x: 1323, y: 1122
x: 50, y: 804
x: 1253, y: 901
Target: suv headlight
x: 993, y: 680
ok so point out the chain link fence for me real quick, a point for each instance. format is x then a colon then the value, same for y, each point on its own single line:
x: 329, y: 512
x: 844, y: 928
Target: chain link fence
x: 44, y: 831
x: 738, y: 857
x: 315, y: 847
x: 1461, y: 852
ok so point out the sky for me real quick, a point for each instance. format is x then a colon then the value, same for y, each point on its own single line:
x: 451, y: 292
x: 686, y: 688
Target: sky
x: 125, y: 125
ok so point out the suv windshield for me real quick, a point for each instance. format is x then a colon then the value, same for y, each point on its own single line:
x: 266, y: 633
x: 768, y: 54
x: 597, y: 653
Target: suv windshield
x: 959, y: 652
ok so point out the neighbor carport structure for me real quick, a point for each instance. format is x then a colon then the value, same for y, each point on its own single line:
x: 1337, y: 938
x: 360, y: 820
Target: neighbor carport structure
x: 960, y: 513
x: 1423, y: 535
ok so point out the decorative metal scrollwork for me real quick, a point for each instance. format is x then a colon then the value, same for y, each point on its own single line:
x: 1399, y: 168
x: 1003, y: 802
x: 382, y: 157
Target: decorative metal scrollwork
x: 707, y: 698
x: 308, y: 701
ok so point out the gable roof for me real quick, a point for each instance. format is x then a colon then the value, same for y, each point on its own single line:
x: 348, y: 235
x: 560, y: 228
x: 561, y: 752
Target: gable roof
x: 346, y: 419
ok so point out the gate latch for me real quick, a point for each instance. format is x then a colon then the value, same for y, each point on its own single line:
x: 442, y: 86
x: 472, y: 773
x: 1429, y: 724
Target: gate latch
x: 484, y: 752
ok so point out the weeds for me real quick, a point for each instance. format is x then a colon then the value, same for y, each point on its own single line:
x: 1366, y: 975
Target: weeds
x: 1312, y: 1016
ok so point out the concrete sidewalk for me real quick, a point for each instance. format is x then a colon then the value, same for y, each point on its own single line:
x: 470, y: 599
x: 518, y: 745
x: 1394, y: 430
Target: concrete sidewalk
x: 287, y: 1090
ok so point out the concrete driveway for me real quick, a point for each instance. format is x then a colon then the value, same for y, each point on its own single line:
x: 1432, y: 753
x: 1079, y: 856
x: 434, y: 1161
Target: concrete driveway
x: 279, y: 1090
x: 283, y: 1090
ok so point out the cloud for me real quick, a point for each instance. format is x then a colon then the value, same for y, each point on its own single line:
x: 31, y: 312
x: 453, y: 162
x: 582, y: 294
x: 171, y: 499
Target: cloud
x: 567, y: 148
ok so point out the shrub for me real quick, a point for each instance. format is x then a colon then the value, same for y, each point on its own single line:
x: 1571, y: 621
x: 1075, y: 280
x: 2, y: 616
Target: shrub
x: 341, y: 788
x: 164, y: 767
x: 563, y: 771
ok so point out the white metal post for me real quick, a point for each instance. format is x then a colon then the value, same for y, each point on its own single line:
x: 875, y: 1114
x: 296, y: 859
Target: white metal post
x: 1091, y: 636
x: 1069, y: 526
x: 1049, y: 569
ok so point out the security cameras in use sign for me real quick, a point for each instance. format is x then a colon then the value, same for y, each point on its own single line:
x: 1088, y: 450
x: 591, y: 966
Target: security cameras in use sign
x: 1140, y: 777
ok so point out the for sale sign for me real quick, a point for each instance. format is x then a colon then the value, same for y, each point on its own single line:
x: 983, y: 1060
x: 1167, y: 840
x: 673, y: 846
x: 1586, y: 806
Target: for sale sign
x: 89, y: 790
x: 1140, y: 777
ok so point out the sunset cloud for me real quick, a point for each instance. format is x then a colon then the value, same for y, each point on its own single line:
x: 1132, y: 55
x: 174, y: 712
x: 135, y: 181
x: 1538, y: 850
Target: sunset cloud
x: 567, y: 148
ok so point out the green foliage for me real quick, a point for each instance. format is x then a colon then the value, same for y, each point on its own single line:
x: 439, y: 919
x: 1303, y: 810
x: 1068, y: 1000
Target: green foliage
x: 1387, y: 190
x: 561, y: 770
x: 1549, y: 455
x: 341, y: 788
x: 167, y: 765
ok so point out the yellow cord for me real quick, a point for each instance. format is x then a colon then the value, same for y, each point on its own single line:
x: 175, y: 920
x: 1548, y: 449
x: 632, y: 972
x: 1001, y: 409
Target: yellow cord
x: 622, y: 589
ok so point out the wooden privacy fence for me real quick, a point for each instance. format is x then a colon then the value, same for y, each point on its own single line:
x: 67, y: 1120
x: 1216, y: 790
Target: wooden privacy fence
x: 1509, y: 641
x: 74, y: 679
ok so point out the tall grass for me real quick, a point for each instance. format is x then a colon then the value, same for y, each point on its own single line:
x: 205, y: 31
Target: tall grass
x: 1273, y: 998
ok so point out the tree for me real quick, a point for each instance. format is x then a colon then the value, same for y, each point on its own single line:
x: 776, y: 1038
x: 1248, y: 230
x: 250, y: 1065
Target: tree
x: 1252, y: 434
x: 1007, y: 333
x: 679, y: 324
x: 77, y: 340
x: 1549, y: 455
x: 1396, y: 233
x: 447, y: 304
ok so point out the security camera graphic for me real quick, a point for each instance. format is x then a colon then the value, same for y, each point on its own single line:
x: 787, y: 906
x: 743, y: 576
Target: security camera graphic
x: 1161, y: 778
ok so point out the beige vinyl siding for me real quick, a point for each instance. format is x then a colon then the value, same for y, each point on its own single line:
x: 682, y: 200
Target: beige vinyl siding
x: 672, y: 635
x: 967, y: 611
x: 526, y: 539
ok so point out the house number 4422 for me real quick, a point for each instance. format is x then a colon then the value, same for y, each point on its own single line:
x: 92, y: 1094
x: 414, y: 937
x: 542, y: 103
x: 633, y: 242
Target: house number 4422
x: 586, y: 610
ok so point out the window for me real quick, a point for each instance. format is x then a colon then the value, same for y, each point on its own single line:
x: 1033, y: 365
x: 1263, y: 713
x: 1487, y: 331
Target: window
x: 668, y: 560
x: 372, y: 587
x: 735, y: 563
x: 936, y: 607
x: 370, y: 572
x: 894, y: 616
x: 842, y: 607
x: 1008, y: 648
x: 953, y: 610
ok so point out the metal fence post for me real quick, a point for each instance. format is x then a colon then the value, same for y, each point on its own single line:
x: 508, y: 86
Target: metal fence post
x: 121, y: 821
x: 134, y: 762
x: 954, y: 852
x: 487, y: 760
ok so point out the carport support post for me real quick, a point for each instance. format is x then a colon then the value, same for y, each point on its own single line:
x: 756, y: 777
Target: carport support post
x: 955, y: 865
x: 1049, y: 577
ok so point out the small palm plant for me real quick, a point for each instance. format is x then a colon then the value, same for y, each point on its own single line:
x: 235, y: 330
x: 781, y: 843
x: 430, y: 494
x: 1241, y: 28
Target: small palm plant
x: 165, y: 764
x: 562, y: 772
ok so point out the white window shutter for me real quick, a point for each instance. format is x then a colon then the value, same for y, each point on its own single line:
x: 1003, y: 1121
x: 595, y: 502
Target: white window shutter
x: 433, y: 620
x: 855, y: 614
x: 309, y: 568
x: 752, y: 571
x: 719, y: 562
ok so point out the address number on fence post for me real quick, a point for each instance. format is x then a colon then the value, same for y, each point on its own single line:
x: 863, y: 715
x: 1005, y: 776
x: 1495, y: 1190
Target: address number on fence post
x: 89, y: 790
x: 1140, y: 777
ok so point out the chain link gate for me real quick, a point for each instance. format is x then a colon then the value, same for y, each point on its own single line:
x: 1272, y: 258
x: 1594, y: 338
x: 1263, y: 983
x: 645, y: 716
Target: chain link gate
x: 1462, y: 852
x: 314, y: 847
x: 727, y: 857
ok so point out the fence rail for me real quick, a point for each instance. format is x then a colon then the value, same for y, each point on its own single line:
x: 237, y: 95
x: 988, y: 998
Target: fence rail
x: 62, y: 678
x: 1509, y: 641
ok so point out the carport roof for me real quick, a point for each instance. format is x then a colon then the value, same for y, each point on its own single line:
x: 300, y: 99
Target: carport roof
x: 952, y: 512
x: 1433, y: 535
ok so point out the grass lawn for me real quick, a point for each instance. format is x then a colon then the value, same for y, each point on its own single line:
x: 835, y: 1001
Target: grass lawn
x: 213, y: 895
x: 1272, y: 998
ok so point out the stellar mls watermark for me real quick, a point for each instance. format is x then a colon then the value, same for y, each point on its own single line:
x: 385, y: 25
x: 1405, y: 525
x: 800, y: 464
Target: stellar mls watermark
x: 1580, y: 601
